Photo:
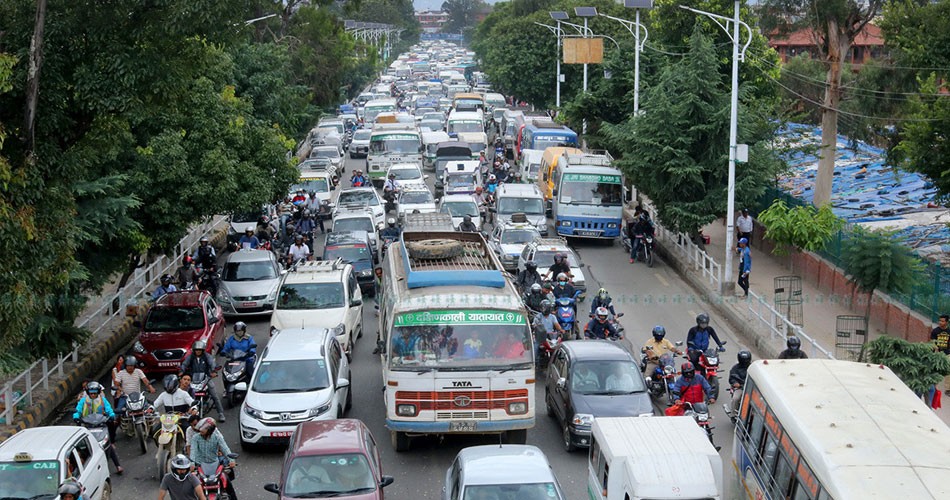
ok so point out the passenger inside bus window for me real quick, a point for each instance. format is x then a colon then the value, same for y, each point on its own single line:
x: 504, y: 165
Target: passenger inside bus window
x: 509, y: 346
x: 472, y: 347
x: 405, y: 345
x: 446, y: 343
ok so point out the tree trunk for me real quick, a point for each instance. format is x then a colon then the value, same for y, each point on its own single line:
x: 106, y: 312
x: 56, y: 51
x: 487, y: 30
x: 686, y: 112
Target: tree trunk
x: 867, y: 316
x: 134, y: 263
x: 33, y: 79
x: 838, y: 46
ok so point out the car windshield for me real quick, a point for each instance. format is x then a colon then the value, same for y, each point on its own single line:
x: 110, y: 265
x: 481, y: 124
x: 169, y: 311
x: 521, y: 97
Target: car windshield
x: 546, y: 258
x: 354, y: 224
x: 249, y: 271
x: 304, y: 375
x: 174, y: 319
x: 362, y: 135
x: 433, y: 125
x: 326, y: 153
x: 310, y: 296
x: 29, y: 480
x: 433, y: 116
x: 316, y: 185
x: 547, y: 491
x: 459, y: 339
x: 349, y: 253
x: 415, y: 197
x: 466, y: 126
x: 533, y: 169
x: 311, y: 476
x: 406, y: 174
x: 581, y: 189
x: 361, y: 198
x: 606, y: 377
x: 460, y: 208
x: 511, y: 205
x: 519, y: 236
x: 478, y: 146
x: 243, y: 217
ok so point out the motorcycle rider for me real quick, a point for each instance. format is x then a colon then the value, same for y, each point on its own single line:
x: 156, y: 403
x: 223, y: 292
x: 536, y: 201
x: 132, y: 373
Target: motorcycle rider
x: 285, y: 210
x: 547, y: 320
x: 534, y: 297
x: 737, y: 375
x: 642, y: 227
x: 482, y: 202
x: 323, y: 214
x: 492, y: 184
x: 209, y: 446
x: 200, y: 361
x: 391, y: 232
x: 560, y: 265
x: 603, y: 299
x: 130, y: 380
x: 697, y: 339
x: 180, y: 483
x: 306, y: 227
x: 794, y: 349
x: 300, y: 197
x: 249, y: 239
x: 599, y: 328
x: 689, y: 388
x: 173, y: 399
x: 358, y: 179
x: 164, y: 287
x: 70, y: 490
x: 241, y: 341
x: 298, y: 251
x: 204, y: 255
x: 95, y: 402
x: 467, y: 226
x: 563, y: 288
x: 186, y: 273
x: 391, y: 189
x: 656, y: 347
x: 528, y: 277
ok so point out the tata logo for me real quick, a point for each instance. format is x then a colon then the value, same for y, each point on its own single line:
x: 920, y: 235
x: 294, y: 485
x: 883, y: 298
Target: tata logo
x: 461, y: 383
x: 462, y: 401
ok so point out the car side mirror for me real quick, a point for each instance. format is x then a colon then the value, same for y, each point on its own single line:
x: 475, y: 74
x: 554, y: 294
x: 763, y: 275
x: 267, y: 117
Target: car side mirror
x: 425, y: 177
x: 356, y: 302
x: 386, y: 481
x: 283, y: 272
x: 213, y: 319
x: 561, y: 383
x: 343, y: 382
x: 273, y: 488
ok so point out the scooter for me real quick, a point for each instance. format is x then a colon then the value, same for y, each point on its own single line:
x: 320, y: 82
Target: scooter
x: 214, y: 478
x: 97, y: 424
x: 662, y: 378
x: 236, y: 377
x: 137, y: 419
x: 567, y: 314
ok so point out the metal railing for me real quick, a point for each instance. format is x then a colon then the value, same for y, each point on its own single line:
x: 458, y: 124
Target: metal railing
x: 780, y: 327
x: 112, y: 306
x: 696, y: 257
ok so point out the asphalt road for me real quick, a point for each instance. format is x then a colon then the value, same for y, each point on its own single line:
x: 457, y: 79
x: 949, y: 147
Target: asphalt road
x: 646, y: 296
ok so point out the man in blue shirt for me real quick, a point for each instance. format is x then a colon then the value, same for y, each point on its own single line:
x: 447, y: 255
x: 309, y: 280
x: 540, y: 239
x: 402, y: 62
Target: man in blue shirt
x: 745, y: 265
x: 166, y: 286
x: 249, y: 240
x: 241, y: 341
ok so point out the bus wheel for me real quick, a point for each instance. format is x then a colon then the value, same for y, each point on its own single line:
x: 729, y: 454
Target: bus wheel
x: 518, y: 436
x: 400, y: 440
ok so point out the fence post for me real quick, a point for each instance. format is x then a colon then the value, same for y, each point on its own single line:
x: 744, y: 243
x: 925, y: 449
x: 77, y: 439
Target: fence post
x: 28, y: 393
x: 60, y: 359
x: 45, y: 374
x: 8, y: 403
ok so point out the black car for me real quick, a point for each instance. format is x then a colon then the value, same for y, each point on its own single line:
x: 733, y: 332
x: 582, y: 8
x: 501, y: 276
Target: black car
x: 589, y: 379
x: 354, y: 247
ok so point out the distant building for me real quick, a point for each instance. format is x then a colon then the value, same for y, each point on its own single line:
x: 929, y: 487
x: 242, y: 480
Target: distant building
x: 869, y: 44
x: 432, y: 20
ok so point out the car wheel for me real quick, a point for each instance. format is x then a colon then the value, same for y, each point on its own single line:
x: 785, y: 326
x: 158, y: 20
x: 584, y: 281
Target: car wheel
x: 400, y: 440
x: 106, y: 491
x: 568, y: 443
x: 349, y: 351
x: 360, y: 335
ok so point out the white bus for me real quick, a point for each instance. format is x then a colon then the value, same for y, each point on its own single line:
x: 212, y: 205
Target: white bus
x: 456, y: 350
x: 392, y: 143
x: 827, y: 429
x: 375, y: 107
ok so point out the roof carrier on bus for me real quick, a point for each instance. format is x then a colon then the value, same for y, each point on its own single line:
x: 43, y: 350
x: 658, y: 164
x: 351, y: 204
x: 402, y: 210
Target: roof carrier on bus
x: 449, y: 259
x: 547, y: 123
x: 600, y: 158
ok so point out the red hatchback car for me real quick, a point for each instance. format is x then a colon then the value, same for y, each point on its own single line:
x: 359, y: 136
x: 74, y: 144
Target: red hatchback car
x: 174, y: 322
x: 337, y: 458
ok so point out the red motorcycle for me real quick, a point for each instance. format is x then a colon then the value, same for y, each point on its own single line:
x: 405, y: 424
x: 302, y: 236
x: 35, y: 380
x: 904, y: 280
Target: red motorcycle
x: 708, y: 367
x: 215, y: 479
x: 549, y: 343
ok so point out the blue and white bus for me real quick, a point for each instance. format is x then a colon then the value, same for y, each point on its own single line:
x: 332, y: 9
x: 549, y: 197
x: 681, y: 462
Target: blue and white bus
x: 587, y: 200
x: 542, y: 133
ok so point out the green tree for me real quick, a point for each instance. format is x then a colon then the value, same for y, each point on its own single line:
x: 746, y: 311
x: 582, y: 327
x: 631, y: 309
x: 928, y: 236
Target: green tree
x: 916, y: 363
x: 803, y: 227
x: 875, y: 260
x: 462, y: 14
x: 923, y: 143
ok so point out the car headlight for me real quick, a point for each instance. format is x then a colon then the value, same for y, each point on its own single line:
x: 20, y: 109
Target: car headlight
x: 338, y: 329
x: 566, y: 223
x: 223, y: 295
x: 583, y: 419
x: 611, y: 225
x: 320, y: 410
x: 138, y: 348
x: 253, y: 412
x: 406, y: 410
x: 366, y: 272
x: 272, y: 296
x: 519, y: 408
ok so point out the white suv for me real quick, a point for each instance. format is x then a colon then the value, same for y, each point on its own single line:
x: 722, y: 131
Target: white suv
x: 37, y: 460
x: 321, y: 294
x: 302, y: 375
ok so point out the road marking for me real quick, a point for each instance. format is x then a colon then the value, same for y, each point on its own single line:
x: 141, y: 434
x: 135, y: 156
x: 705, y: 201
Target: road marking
x: 661, y: 279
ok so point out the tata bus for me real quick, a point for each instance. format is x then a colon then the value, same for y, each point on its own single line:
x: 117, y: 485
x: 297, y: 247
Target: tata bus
x: 542, y: 133
x: 455, y: 345
x: 821, y: 429
x: 375, y: 107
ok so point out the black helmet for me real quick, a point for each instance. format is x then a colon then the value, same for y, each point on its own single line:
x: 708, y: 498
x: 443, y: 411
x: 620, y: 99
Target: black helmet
x: 93, y: 388
x: 131, y: 361
x: 181, y: 467
x: 702, y: 320
x: 536, y: 288
x: 467, y: 218
x: 170, y: 383
x: 744, y: 358
x: 241, y: 327
x: 659, y: 332
x: 688, y: 369
x: 166, y: 279
x: 546, y: 306
x: 531, y: 265
x: 794, y: 343
x: 70, y: 487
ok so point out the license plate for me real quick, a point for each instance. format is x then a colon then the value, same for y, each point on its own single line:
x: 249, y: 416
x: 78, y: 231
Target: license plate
x: 168, y: 363
x: 281, y: 434
x: 464, y: 426
x: 588, y: 233
x: 248, y: 304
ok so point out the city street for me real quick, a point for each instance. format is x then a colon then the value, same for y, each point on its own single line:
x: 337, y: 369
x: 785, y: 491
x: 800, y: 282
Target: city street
x: 646, y: 296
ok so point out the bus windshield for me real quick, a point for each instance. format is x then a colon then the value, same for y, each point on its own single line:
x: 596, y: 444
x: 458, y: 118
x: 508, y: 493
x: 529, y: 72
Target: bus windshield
x: 542, y: 142
x: 465, y: 126
x: 460, y: 180
x: 459, y: 340
x: 404, y: 143
x: 591, y: 189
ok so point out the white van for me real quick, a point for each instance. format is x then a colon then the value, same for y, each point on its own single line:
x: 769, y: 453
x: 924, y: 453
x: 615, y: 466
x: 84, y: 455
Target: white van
x: 521, y: 198
x: 658, y: 458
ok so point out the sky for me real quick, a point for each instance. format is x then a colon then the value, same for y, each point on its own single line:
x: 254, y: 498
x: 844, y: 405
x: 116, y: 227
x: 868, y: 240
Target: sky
x: 435, y: 4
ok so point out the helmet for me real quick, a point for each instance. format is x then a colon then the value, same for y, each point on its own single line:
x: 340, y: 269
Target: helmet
x: 467, y: 218
x: 240, y: 327
x: 93, y: 388
x: 170, y: 383
x: 199, y: 345
x: 702, y: 320
x: 744, y: 358
x: 181, y: 466
x: 166, y: 279
x: 794, y: 343
x: 391, y: 222
x: 207, y: 424
x: 298, y: 237
x: 602, y: 294
x: 688, y: 369
x: 558, y: 256
x: 478, y: 189
x: 491, y: 177
x: 70, y: 487
x: 187, y: 260
x: 531, y: 265
x: 561, y: 277
x: 536, y: 288
x: 131, y: 361
x: 601, y: 314
x: 546, y: 306
x: 249, y: 230
x: 392, y: 176
x: 658, y: 333
x: 204, y: 239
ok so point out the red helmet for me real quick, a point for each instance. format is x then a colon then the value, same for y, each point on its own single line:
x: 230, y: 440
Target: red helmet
x: 478, y: 189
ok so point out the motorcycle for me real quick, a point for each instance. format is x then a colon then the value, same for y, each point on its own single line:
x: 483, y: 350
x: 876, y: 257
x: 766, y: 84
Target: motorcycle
x: 566, y: 313
x: 137, y: 419
x: 214, y: 478
x: 390, y: 196
x: 98, y: 425
x: 709, y: 368
x: 662, y: 378
x: 700, y: 413
x: 208, y: 280
x: 199, y: 382
x: 548, y: 342
x: 645, y: 247
x: 236, y: 377
x: 170, y: 440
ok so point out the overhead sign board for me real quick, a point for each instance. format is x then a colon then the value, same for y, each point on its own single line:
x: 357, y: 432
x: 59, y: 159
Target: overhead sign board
x: 583, y: 50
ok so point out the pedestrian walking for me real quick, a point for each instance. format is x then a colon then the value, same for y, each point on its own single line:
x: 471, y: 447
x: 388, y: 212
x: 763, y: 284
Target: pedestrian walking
x: 745, y: 265
x: 744, y: 225
x: 941, y: 339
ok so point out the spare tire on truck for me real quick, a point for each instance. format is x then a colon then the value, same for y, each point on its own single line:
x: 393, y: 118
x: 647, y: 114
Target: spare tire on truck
x: 434, y: 249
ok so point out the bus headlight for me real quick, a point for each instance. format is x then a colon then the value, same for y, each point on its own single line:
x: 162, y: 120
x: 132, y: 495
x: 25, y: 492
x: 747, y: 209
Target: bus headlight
x: 406, y: 410
x: 611, y: 225
x: 565, y: 223
x: 519, y: 408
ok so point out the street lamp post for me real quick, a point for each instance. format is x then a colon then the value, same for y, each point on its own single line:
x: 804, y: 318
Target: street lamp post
x: 558, y: 16
x: 737, y: 56
x: 585, y: 12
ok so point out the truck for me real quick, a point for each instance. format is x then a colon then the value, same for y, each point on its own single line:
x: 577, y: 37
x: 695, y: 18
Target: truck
x: 657, y: 458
